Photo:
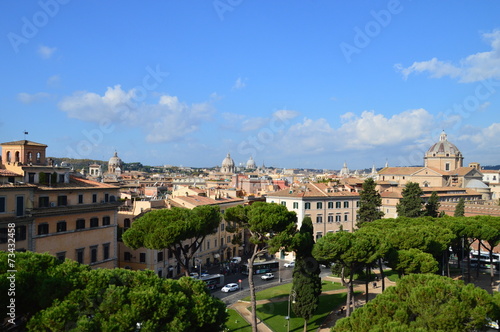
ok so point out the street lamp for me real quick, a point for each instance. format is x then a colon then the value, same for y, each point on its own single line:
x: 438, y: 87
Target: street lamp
x: 294, y: 295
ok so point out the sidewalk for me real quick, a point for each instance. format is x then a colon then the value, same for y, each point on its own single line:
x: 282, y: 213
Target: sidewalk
x: 242, y: 306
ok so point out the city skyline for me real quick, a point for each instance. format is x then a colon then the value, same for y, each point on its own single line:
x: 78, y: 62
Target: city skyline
x: 302, y: 85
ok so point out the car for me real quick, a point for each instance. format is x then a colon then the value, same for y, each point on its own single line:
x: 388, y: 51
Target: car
x: 267, y: 276
x: 230, y: 288
x: 291, y: 264
x: 194, y: 275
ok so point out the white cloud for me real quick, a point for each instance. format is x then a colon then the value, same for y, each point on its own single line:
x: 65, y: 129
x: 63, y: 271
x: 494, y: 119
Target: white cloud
x: 475, y: 67
x: 46, y: 52
x: 27, y: 98
x: 364, y: 132
x: 239, y: 84
x: 370, y: 129
x: 53, y: 80
x: 167, y: 120
x: 485, y: 138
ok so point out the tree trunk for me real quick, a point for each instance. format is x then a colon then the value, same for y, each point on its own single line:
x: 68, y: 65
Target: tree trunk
x: 382, y: 275
x: 305, y: 325
x: 350, y: 294
x: 252, y: 289
x: 367, y: 281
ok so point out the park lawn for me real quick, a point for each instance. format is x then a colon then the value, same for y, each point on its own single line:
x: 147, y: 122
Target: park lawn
x: 392, y: 275
x: 236, y: 323
x: 274, y: 313
x: 284, y: 290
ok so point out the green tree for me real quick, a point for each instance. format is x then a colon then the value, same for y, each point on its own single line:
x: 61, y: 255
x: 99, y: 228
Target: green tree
x: 424, y: 302
x: 306, y: 279
x: 124, y: 300
x: 460, y: 208
x: 411, y: 204
x: 271, y: 227
x: 432, y: 206
x: 408, y: 261
x: 369, y: 203
x: 170, y: 228
x: 349, y: 251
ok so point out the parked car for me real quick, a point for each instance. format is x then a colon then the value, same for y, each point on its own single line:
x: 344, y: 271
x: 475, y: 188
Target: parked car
x: 267, y: 276
x: 291, y: 264
x: 194, y: 275
x: 230, y: 288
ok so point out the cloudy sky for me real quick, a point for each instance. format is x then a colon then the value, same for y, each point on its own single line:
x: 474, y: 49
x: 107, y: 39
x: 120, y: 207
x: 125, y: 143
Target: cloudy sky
x: 292, y: 83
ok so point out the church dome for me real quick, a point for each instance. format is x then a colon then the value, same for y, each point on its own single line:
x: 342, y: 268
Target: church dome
x: 228, y: 161
x: 251, y: 163
x: 115, y: 160
x: 443, y: 148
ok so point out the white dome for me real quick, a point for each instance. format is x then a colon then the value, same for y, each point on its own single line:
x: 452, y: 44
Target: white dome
x: 115, y: 160
x: 476, y: 184
x: 228, y: 161
x: 251, y: 163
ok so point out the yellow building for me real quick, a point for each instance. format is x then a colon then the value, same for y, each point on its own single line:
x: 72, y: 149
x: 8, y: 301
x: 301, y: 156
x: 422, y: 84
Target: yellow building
x: 64, y: 215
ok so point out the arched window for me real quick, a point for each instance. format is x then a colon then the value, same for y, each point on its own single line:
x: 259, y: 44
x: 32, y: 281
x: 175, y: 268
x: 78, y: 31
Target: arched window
x: 17, y: 157
x: 38, y: 157
x: 8, y: 156
x: 30, y: 156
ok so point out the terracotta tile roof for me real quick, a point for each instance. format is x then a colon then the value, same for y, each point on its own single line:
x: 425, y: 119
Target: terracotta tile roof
x: 399, y: 170
x: 490, y: 171
x: 23, y: 142
x: 312, y: 190
x: 4, y: 172
x: 461, y: 171
x: 78, y: 183
x: 201, y: 200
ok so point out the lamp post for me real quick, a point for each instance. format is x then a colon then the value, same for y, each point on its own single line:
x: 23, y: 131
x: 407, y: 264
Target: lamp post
x: 294, y: 295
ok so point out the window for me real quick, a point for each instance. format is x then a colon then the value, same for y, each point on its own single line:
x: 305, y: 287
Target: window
x: 447, y: 166
x: 106, y: 198
x: 357, y: 204
x: 160, y: 256
x: 62, y: 200
x: 2, y: 204
x: 61, y: 226
x: 221, y: 241
x: 127, y: 256
x: 94, y: 198
x: 228, y: 239
x: 319, y: 235
x: 61, y: 256
x: 3, y: 235
x: 346, y: 204
x: 330, y: 218
x: 106, y: 221
x: 319, y: 218
x: 126, y: 223
x: 105, y: 251
x: 295, y: 205
x: 31, y: 177
x: 61, y: 178
x: 142, y: 257
x: 8, y: 157
x: 338, y: 218
x: 93, y: 254
x: 80, y: 223
x: 338, y: 205
x: 20, y: 233
x: 346, y: 217
x: 330, y: 205
x: 215, y: 243
x: 43, y: 229
x: 283, y: 203
x: 79, y: 255
x: 170, y: 254
x: 43, y: 202
x: 319, y: 205
x: 80, y: 199
x: 94, y: 222
x: 222, y: 227
x: 208, y: 244
x: 307, y: 206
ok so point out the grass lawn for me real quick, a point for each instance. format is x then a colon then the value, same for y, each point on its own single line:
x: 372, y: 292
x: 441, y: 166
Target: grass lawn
x: 236, y: 323
x: 273, y: 314
x: 284, y: 290
x: 391, y: 275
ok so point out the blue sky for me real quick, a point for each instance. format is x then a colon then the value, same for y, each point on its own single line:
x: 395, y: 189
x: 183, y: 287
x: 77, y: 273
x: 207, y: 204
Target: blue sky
x: 294, y: 84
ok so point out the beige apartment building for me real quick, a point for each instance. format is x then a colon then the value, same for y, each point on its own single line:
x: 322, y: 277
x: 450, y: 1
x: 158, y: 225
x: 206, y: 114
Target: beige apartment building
x: 331, y: 207
x: 56, y: 211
